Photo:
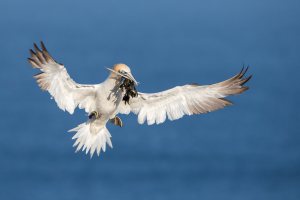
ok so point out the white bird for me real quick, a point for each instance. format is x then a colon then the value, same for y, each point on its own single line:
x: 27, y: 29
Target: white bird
x: 105, y: 100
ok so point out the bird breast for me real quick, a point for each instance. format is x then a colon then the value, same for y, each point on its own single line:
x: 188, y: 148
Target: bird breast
x: 108, y: 100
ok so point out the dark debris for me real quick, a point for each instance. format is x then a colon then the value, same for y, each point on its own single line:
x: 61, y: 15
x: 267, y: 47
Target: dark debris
x: 130, y: 90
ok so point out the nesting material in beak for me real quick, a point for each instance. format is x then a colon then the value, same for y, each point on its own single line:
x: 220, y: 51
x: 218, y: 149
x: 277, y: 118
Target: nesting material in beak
x: 125, y: 75
x: 130, y: 77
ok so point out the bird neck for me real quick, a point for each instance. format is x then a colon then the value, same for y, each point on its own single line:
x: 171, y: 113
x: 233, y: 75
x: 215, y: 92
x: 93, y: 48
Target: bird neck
x: 112, y: 80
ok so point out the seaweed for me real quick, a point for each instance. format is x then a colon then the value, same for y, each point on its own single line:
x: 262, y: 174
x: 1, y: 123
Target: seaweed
x: 130, y: 90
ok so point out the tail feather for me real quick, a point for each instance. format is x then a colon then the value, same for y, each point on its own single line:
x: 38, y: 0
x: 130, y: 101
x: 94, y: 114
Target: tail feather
x: 89, y: 139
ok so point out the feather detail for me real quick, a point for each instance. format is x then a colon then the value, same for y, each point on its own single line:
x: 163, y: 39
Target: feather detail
x: 91, y: 140
x: 185, y: 100
x: 55, y: 79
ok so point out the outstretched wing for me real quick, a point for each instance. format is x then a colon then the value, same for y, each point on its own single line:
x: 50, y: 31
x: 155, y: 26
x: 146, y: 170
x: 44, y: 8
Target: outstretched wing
x: 185, y: 100
x: 55, y: 79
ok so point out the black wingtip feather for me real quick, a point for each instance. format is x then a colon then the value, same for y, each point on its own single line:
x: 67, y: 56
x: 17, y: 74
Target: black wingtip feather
x: 247, y: 79
x: 43, y: 46
x: 33, y: 63
x: 36, y: 47
x: 32, y: 52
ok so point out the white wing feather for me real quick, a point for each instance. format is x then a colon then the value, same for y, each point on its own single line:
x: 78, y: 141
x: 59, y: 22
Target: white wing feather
x: 55, y: 79
x: 184, y: 100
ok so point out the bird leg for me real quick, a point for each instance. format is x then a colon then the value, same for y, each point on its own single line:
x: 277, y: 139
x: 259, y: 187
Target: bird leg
x: 94, y: 115
x: 117, y: 121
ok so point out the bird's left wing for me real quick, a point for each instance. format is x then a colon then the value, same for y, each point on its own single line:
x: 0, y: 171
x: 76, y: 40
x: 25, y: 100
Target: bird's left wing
x: 184, y: 100
x: 55, y: 79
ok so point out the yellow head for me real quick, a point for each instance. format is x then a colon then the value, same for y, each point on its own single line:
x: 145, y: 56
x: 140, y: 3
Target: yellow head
x: 122, y: 70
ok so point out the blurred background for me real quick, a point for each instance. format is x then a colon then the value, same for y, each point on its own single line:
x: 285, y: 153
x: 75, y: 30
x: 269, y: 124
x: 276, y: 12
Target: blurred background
x: 247, y: 151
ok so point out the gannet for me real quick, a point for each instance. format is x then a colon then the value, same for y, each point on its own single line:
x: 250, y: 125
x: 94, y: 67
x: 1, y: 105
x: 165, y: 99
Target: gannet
x: 103, y: 102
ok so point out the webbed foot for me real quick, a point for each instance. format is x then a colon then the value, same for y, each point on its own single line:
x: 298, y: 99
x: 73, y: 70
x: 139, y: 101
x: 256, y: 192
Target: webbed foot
x: 117, y: 121
x: 94, y: 115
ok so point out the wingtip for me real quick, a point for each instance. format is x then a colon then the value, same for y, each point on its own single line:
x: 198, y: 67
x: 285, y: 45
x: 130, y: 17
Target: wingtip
x: 245, y: 80
x: 243, y: 71
x: 35, y: 45
x: 32, y: 53
x: 227, y: 102
x: 248, y: 78
x: 33, y: 63
x: 43, y: 46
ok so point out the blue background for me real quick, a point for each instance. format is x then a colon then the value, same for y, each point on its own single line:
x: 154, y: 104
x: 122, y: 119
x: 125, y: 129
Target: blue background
x: 247, y: 151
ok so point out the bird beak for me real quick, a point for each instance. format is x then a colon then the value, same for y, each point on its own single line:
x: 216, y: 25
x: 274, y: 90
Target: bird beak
x: 127, y: 75
x: 130, y: 76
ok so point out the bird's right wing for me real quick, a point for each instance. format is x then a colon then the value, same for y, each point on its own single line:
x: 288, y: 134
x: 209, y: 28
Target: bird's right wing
x: 184, y: 100
x: 55, y: 79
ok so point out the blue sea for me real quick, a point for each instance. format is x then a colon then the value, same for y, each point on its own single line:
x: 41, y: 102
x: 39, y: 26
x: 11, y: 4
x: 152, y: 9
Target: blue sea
x: 247, y: 151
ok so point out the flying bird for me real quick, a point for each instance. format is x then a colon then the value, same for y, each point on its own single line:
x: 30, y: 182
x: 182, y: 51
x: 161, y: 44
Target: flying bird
x: 118, y: 95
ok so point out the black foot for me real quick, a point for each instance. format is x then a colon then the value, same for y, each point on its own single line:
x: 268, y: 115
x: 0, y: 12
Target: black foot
x: 94, y: 115
x: 117, y: 121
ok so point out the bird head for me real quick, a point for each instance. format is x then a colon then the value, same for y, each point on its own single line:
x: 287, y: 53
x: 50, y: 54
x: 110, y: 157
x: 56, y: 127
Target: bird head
x: 123, y: 71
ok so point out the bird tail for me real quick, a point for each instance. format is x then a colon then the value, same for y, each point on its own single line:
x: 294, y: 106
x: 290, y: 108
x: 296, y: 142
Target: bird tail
x: 91, y: 136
